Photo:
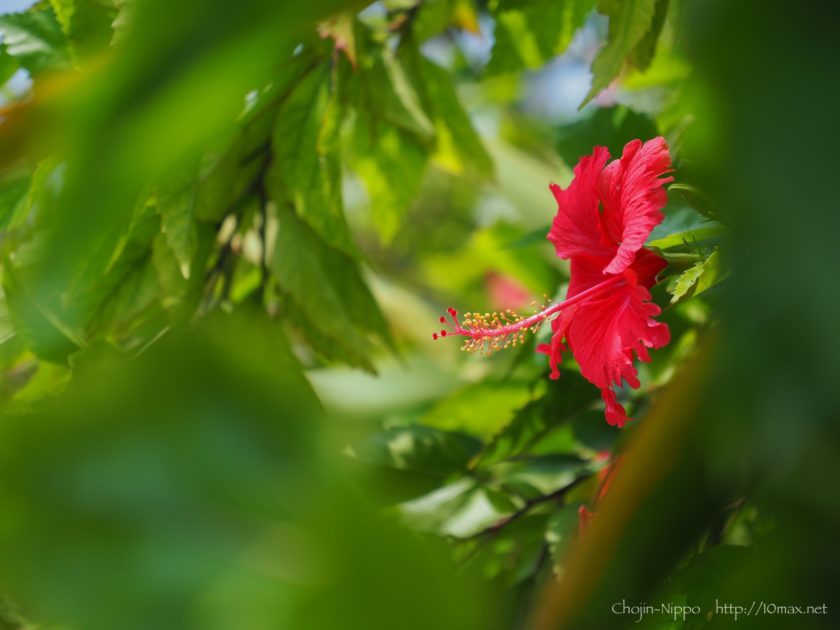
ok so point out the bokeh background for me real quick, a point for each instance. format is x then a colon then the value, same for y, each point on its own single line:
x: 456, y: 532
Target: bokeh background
x: 228, y: 231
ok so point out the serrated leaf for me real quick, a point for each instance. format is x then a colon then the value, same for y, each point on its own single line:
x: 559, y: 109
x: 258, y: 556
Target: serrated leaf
x: 170, y: 277
x: 612, y: 127
x: 14, y: 186
x: 86, y: 23
x: 459, y: 147
x: 417, y: 449
x: 689, y: 238
x: 699, y: 278
x: 643, y: 53
x: 8, y: 65
x: 327, y: 287
x: 44, y: 333
x: 563, y: 399
x: 479, y: 408
x: 339, y: 28
x: 630, y: 20
x: 177, y: 209
x: 528, y: 34
x: 434, y: 16
x: 561, y: 529
x: 306, y: 169
x: 35, y: 39
x: 535, y: 477
x: 460, y: 509
x: 381, y: 89
x: 696, y: 198
x: 128, y: 293
x: 391, y: 162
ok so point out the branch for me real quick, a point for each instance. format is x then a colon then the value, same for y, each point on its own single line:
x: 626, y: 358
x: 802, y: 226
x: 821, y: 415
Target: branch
x: 499, y: 525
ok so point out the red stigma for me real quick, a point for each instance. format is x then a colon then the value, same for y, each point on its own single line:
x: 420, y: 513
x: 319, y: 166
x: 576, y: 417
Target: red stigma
x: 434, y: 336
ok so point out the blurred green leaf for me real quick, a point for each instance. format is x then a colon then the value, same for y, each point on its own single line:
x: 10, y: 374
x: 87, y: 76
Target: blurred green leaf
x: 563, y: 399
x: 528, y: 34
x: 535, y: 477
x: 419, y: 449
x: 86, y: 23
x: 44, y: 332
x: 612, y: 127
x: 460, y: 509
x: 642, y: 55
x: 35, y: 39
x: 481, y: 408
x: 381, y: 88
x: 14, y: 186
x: 434, y: 16
x: 561, y: 530
x: 459, y: 147
x: 391, y: 163
x: 326, y: 286
x: 305, y: 170
x: 177, y: 210
x: 630, y: 21
x: 696, y: 198
x: 200, y: 497
x: 8, y: 65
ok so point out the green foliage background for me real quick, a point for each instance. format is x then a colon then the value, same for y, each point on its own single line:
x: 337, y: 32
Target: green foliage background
x: 228, y: 230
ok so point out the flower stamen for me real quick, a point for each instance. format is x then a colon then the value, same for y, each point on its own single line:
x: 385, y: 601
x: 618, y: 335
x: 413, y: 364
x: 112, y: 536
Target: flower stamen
x: 490, y: 332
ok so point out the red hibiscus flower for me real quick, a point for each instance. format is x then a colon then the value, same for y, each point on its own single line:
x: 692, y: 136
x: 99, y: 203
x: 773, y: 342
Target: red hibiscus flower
x: 602, y: 222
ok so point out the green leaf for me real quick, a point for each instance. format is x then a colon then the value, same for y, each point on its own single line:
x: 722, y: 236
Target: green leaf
x: 327, y: 289
x: 480, y: 408
x: 35, y: 39
x: 642, y: 55
x: 459, y: 147
x: 612, y: 127
x: 460, y: 509
x: 690, y: 238
x: 699, y: 278
x: 86, y: 23
x: 306, y: 169
x: 14, y: 186
x: 169, y: 272
x: 563, y: 399
x: 538, y: 476
x: 177, y: 209
x: 561, y: 529
x: 128, y: 293
x: 8, y: 65
x: 434, y: 16
x: 696, y: 198
x: 418, y: 449
x: 341, y: 31
x: 381, y: 88
x: 630, y: 20
x: 391, y: 134
x: 45, y: 334
x: 528, y: 34
x: 391, y: 162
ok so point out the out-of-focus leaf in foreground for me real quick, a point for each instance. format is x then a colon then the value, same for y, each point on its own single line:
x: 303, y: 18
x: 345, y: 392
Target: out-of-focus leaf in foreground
x: 186, y: 489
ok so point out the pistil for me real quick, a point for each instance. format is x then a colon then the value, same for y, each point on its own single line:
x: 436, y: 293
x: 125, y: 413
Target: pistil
x: 496, y: 331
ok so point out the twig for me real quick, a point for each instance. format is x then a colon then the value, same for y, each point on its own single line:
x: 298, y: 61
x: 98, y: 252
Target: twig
x: 499, y: 525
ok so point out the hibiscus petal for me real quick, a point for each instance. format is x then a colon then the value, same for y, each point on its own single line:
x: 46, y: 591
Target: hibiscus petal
x: 631, y: 191
x: 613, y: 411
x: 608, y: 330
x: 576, y: 226
x: 555, y: 348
